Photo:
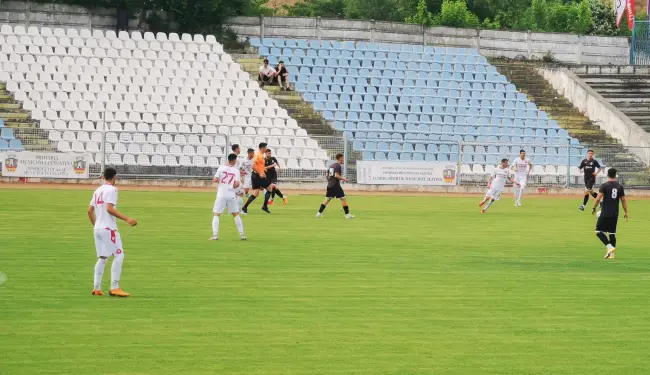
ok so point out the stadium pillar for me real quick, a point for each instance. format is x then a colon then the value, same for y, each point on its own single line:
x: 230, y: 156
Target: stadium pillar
x: 346, y: 156
x: 372, y: 31
x: 318, y: 28
x: 262, y: 27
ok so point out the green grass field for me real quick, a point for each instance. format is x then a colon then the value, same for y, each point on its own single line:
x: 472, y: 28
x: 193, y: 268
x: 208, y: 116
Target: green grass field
x: 413, y: 285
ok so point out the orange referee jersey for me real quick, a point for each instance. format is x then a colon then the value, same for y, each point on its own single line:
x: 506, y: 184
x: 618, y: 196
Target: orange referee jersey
x: 258, y: 163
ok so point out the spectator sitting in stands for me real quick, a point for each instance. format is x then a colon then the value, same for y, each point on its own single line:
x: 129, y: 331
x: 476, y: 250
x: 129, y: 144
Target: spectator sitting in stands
x: 283, y: 75
x: 267, y: 74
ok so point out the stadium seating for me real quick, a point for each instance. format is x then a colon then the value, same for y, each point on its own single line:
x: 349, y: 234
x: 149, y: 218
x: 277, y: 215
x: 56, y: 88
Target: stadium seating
x: 413, y: 102
x: 165, y: 99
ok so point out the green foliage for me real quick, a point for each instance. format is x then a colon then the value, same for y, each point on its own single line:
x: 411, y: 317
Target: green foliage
x: 317, y: 8
x: 454, y: 13
x: 422, y: 15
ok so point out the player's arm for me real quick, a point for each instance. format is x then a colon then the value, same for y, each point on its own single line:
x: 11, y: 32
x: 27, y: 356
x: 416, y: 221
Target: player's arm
x: 624, y: 202
x: 277, y: 164
x: 110, y: 207
x: 600, y: 196
x: 530, y: 168
x: 490, y: 181
x: 337, y: 175
x: 512, y: 181
x: 91, y: 214
x: 599, y: 168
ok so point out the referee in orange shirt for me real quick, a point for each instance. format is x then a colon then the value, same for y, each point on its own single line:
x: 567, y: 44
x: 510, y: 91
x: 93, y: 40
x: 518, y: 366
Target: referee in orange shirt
x: 259, y: 180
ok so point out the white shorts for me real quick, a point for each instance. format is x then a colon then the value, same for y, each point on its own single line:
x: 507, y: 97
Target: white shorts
x: 521, y: 180
x: 494, y: 193
x: 248, y: 182
x: 108, y: 242
x: 221, y: 203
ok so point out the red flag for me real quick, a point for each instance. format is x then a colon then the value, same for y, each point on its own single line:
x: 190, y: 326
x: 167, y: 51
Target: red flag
x: 630, y: 14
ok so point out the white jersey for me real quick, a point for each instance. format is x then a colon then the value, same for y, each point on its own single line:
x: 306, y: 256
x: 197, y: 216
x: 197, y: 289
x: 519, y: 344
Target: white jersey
x: 521, y: 167
x: 499, y: 178
x: 247, y: 166
x: 104, y: 195
x: 227, y: 175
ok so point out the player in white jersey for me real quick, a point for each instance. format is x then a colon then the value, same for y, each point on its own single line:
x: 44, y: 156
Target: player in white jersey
x: 522, y: 167
x: 239, y: 191
x: 228, y: 178
x: 102, y: 214
x: 247, y: 170
x: 496, y: 184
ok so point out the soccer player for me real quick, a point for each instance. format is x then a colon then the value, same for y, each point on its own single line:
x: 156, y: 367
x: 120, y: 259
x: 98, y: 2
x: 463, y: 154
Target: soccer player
x: 247, y: 170
x: 611, y: 192
x: 522, y: 167
x: 496, y: 184
x: 272, y: 166
x: 591, y: 169
x: 259, y: 180
x: 102, y: 214
x: 228, y: 179
x: 334, y: 189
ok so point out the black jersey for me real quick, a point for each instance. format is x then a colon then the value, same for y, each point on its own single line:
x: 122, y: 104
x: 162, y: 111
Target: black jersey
x: 612, y: 192
x: 332, y: 171
x: 269, y: 162
x: 589, y: 167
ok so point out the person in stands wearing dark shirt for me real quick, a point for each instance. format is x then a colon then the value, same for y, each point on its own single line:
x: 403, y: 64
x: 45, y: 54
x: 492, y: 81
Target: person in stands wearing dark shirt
x: 334, y: 189
x: 283, y: 76
x: 272, y: 166
x: 611, y: 192
x: 591, y: 169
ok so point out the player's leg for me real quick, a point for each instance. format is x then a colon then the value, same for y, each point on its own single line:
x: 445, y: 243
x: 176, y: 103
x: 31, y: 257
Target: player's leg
x: 267, y: 195
x: 485, y: 198
x: 603, y: 226
x: 323, y: 206
x: 233, y: 208
x: 116, y: 267
x: 346, y: 208
x: 515, y: 190
x: 102, y: 254
x: 251, y: 198
x: 493, y: 197
x: 522, y: 182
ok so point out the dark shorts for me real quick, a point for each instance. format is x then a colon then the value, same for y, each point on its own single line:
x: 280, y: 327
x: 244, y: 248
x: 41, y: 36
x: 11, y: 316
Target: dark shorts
x: 272, y: 177
x: 335, y: 192
x: 607, y: 224
x: 258, y: 182
x: 589, y: 183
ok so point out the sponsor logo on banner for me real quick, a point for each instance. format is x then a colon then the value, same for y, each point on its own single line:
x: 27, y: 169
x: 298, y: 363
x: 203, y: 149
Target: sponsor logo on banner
x: 46, y: 165
x: 11, y: 162
x: 406, y: 173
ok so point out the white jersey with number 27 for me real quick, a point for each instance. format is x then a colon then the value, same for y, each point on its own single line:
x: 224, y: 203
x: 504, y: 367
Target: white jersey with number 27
x: 227, y: 175
x: 499, y: 178
x: 104, y: 195
x: 521, y: 166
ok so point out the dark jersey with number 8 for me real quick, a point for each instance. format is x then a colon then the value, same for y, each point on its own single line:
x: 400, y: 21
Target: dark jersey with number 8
x: 612, y: 192
x: 332, y: 181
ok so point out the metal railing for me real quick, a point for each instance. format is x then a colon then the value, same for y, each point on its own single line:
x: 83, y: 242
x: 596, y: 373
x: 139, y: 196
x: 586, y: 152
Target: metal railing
x: 153, y: 155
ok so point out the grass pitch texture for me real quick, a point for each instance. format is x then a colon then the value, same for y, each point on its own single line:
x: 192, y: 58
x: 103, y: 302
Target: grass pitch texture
x: 413, y: 285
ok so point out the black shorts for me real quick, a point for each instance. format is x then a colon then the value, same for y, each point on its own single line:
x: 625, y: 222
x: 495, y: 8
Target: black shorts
x: 272, y: 177
x: 335, y: 192
x: 259, y: 182
x: 607, y: 224
x: 589, y: 183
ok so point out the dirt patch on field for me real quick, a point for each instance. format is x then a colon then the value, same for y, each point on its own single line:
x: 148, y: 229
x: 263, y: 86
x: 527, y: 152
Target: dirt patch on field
x: 90, y: 187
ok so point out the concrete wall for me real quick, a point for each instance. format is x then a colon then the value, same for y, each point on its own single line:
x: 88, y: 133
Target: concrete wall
x: 58, y: 15
x: 567, y: 48
x: 599, y: 110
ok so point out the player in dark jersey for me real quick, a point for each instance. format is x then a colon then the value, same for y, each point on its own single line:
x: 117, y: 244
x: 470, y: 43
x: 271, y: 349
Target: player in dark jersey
x: 272, y: 166
x: 611, y: 192
x: 334, y: 189
x: 591, y: 168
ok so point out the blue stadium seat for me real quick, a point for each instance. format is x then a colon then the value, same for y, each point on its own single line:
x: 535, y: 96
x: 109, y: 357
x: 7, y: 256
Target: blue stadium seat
x: 4, y: 145
x: 7, y: 134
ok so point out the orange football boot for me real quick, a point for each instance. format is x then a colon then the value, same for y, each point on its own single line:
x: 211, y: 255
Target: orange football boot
x: 118, y: 293
x: 97, y: 292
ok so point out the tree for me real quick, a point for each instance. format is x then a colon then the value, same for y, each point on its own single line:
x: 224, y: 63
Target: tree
x: 454, y: 13
x: 317, y: 8
x: 422, y: 15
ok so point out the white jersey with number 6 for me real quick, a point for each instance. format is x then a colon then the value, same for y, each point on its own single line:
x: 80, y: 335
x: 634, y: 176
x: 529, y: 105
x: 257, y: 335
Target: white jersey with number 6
x: 521, y: 167
x: 104, y: 195
x: 499, y: 178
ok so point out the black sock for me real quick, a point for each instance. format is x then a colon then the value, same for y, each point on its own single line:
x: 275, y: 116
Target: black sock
x: 603, y: 238
x: 249, y: 201
x: 346, y: 209
x: 584, y: 201
x: 273, y: 195
x: 594, y: 194
x: 278, y: 192
x: 322, y: 208
x: 612, y: 239
x: 267, y: 196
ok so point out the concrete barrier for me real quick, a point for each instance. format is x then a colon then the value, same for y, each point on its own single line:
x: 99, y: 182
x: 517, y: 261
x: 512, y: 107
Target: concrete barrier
x: 599, y: 110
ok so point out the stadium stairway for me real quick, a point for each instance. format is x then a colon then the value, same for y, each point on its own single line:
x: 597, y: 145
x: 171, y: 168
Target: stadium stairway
x: 304, y: 114
x: 18, y: 129
x: 530, y: 82
x: 628, y: 92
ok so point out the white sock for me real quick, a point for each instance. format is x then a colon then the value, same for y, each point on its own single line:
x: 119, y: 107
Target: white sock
x: 240, y: 225
x: 215, y: 225
x: 609, y: 246
x: 116, y: 270
x: 517, y: 189
x: 489, y: 204
x: 240, y: 202
x: 521, y: 194
x: 99, y: 273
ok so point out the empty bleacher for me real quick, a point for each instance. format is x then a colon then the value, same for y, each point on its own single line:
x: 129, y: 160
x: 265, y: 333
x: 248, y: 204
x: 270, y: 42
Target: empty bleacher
x: 423, y: 103
x: 157, y: 99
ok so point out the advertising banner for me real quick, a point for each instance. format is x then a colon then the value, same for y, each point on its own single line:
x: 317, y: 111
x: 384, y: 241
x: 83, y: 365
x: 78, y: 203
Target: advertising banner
x: 46, y: 165
x: 406, y: 173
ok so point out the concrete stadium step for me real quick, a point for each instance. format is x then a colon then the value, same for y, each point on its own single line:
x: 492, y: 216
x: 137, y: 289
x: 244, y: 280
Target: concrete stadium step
x: 304, y: 114
x: 24, y: 126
